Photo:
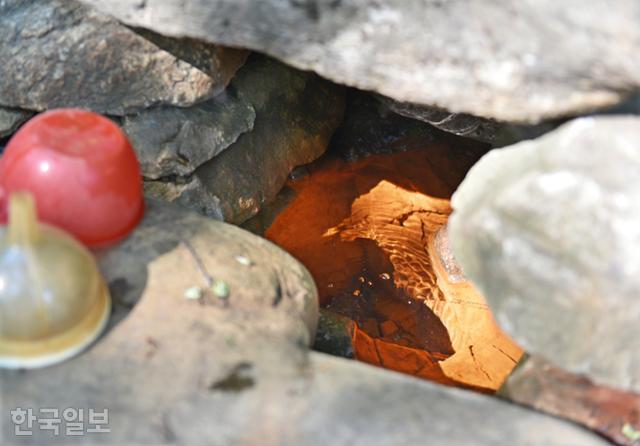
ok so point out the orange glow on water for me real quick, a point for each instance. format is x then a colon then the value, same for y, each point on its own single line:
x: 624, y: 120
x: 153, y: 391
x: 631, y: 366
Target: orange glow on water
x: 368, y: 232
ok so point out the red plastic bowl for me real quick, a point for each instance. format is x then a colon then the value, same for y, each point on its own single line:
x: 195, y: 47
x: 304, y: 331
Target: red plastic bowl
x: 82, y: 172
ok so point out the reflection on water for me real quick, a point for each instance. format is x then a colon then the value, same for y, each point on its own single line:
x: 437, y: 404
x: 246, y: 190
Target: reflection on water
x: 367, y: 231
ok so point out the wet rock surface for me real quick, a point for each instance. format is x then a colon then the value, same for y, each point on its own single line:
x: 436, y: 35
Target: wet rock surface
x: 186, y: 371
x: 295, y: 116
x: 65, y: 54
x: 548, y: 231
x: 523, y: 63
x: 496, y: 133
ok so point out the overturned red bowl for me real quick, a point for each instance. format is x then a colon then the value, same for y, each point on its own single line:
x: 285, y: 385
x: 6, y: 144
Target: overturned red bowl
x: 82, y: 171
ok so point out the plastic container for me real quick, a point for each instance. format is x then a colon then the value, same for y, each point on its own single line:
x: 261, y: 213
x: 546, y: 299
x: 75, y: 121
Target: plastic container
x: 82, y: 172
x: 53, y: 300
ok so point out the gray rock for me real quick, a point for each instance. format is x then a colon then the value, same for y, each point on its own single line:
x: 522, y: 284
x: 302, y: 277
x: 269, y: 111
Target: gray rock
x: 191, y: 193
x: 64, y: 54
x: 295, y: 116
x: 172, y: 141
x: 525, y: 62
x: 457, y: 123
x: 179, y: 371
x: 549, y: 229
x: 215, y: 60
x: 345, y: 402
x: 227, y: 253
x: 497, y: 133
x: 11, y: 119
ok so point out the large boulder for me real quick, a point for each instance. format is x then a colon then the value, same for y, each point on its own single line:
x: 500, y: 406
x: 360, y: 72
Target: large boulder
x: 549, y: 231
x: 526, y: 62
x: 61, y: 53
x: 236, y: 370
x: 283, y: 118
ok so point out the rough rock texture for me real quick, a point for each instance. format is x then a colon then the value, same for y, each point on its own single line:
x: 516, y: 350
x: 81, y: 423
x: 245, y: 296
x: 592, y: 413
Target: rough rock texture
x: 174, y: 141
x: 457, y: 123
x: 64, y: 54
x: 10, y: 120
x: 548, y: 229
x: 215, y: 60
x: 497, y: 133
x: 529, y: 61
x: 295, y: 116
x: 177, y: 371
